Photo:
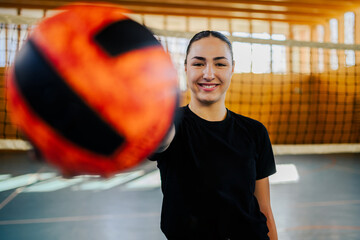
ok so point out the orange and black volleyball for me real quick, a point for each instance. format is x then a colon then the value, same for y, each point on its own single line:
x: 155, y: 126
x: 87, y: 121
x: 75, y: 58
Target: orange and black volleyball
x: 93, y: 90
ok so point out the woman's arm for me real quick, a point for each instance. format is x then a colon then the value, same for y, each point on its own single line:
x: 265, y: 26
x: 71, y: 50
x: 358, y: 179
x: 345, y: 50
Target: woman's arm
x: 262, y: 194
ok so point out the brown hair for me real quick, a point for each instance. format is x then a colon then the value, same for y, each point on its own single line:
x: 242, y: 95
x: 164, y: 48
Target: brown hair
x: 208, y: 33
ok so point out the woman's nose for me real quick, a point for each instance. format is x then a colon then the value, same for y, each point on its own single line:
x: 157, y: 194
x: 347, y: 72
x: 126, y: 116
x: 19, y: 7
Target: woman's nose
x: 209, y: 72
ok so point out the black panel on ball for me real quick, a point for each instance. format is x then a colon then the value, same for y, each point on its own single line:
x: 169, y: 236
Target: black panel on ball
x: 123, y: 36
x: 58, y: 105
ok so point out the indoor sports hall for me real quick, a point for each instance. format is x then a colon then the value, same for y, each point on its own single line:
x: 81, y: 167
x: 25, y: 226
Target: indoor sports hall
x: 296, y: 70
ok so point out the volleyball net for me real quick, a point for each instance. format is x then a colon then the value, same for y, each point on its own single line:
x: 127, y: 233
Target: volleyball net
x: 305, y: 93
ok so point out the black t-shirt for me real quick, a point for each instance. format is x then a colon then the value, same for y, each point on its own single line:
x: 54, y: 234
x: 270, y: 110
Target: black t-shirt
x: 208, y: 176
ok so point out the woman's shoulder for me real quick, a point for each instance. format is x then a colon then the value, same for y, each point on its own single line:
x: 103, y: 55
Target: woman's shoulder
x: 247, y: 122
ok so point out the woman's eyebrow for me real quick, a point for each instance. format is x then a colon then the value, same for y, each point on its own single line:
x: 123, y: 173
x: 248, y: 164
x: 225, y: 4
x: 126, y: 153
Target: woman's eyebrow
x: 219, y: 58
x: 199, y: 58
x: 203, y: 59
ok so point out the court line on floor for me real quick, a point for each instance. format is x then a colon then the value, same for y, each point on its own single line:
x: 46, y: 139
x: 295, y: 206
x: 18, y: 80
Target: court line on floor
x: 17, y: 191
x: 127, y: 181
x: 328, y: 203
x: 320, y: 227
x: 78, y: 218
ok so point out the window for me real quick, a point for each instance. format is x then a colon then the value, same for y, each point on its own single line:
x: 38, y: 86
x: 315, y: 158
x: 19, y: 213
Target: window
x: 261, y: 55
x: 278, y: 55
x: 242, y: 54
x: 177, y: 49
x: 320, y: 38
x: 259, y: 58
x: 334, y: 64
x: 349, y: 29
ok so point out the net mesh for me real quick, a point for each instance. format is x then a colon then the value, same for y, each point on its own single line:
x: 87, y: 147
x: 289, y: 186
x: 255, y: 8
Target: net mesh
x: 12, y: 36
x: 303, y: 92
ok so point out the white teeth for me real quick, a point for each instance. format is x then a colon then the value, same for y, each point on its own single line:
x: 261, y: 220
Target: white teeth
x: 209, y: 86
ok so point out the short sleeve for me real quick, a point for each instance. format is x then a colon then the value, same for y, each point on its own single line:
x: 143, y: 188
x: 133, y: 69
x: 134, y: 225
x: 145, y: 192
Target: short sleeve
x: 156, y: 156
x: 265, y: 163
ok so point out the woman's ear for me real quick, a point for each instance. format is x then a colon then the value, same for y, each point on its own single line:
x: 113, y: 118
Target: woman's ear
x: 233, y: 66
x: 185, y: 67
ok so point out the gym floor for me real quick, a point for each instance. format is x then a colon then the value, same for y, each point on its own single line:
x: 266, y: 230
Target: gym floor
x: 314, y: 197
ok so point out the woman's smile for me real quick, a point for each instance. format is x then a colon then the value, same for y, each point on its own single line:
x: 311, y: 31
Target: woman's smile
x: 208, y: 87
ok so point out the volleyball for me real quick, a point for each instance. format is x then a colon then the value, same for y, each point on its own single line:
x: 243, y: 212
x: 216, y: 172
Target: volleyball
x: 93, y: 90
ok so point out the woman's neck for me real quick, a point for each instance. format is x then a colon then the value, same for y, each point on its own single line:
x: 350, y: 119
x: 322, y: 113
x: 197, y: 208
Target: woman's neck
x: 211, y: 112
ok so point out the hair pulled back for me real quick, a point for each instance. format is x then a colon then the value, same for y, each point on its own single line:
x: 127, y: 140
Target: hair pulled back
x: 205, y: 34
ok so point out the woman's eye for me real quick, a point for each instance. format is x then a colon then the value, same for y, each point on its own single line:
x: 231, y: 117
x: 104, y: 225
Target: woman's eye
x: 197, y: 64
x: 220, y: 64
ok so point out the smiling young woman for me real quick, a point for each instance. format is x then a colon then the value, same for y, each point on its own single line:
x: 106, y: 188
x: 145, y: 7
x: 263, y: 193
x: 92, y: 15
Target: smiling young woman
x: 209, y: 66
x: 209, y: 70
x: 215, y: 164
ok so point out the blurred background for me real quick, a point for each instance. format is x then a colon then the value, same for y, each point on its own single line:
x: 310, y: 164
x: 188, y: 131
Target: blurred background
x: 296, y: 72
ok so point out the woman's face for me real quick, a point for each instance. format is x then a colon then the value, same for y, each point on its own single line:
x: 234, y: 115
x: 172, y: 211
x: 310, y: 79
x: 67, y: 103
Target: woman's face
x: 209, y: 69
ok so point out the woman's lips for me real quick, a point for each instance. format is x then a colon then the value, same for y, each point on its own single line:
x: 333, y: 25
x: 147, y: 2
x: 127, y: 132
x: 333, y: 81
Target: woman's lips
x: 208, y: 86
